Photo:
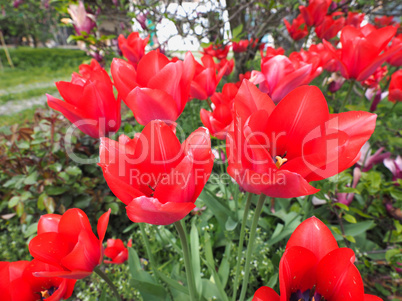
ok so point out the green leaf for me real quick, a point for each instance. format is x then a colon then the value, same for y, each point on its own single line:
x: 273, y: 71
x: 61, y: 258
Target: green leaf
x: 13, y: 201
x: 343, y: 206
x: 390, y: 253
x: 114, y: 206
x: 73, y: 170
x: 49, y: 204
x: 54, y: 190
x: 350, y: 238
x: 31, y: 179
x: 195, y: 256
x: 230, y: 224
x: 350, y: 218
x: 237, y: 33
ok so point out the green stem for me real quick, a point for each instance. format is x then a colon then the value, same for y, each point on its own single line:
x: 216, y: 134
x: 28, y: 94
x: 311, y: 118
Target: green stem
x: 209, y: 104
x: 149, y: 251
x: 187, y: 261
x: 98, y: 271
x: 352, y: 83
x: 250, y: 246
x: 241, y: 241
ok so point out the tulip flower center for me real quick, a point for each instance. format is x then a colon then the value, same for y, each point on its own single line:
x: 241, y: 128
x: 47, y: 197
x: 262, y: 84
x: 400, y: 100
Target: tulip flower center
x: 308, y: 295
x: 47, y: 293
x: 280, y: 161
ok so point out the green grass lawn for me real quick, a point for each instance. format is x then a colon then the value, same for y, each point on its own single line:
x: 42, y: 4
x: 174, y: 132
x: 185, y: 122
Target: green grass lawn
x: 34, y: 75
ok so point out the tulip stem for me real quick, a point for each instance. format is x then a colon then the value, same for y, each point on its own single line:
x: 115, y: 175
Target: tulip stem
x: 209, y: 104
x: 250, y: 245
x: 148, y: 250
x: 241, y: 241
x: 346, y: 99
x: 101, y: 274
x: 187, y: 260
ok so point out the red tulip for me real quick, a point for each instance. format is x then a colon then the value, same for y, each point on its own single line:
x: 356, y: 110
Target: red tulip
x: 133, y: 48
x: 327, y: 58
x: 395, y: 87
x: 278, y: 150
x: 218, y: 51
x: 228, y: 65
x: 89, y: 101
x: 330, y: 27
x: 205, y: 78
x: 385, y: 21
x: 154, y: 175
x: 158, y: 89
x: 373, y: 81
x: 298, y: 30
x: 315, y: 12
x: 18, y: 283
x: 219, y: 120
x: 354, y: 19
x: 314, y: 267
x: 68, y: 241
x: 279, y: 76
x: 360, y: 54
x: 242, y: 45
x: 116, y: 250
x: 270, y: 52
x: 396, y: 59
x: 304, y: 58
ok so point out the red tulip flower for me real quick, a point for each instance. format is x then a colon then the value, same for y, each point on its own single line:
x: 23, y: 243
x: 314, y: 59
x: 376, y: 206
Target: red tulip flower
x: 68, y: 241
x: 315, y: 12
x: 158, y: 89
x: 218, y: 51
x: 271, y: 52
x: 361, y: 52
x: 298, y: 29
x: 278, y: 150
x: 327, y: 59
x: 385, y: 21
x: 330, y: 27
x: 395, y: 87
x: 154, y: 175
x: 18, y: 282
x: 133, y: 48
x: 89, y: 101
x: 396, y: 59
x: 314, y: 267
x: 354, y: 19
x: 218, y: 121
x: 279, y: 76
x: 228, y: 65
x: 116, y: 250
x: 242, y: 45
x: 205, y: 78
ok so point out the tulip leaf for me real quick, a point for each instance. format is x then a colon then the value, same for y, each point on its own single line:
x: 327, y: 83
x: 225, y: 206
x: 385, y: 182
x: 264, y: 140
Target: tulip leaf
x: 195, y: 256
x: 224, y: 268
x: 350, y: 218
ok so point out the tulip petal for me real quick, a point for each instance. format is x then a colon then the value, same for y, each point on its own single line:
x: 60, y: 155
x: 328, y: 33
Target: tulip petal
x: 301, y: 111
x: 70, y: 92
x: 297, y: 271
x: 149, y: 66
x: 151, y: 211
x: 48, y: 223
x: 86, y: 254
x: 265, y: 293
x: 64, y: 274
x: 338, y: 278
x: 75, y: 116
x: 124, y: 77
x: 72, y: 222
x: 368, y: 297
x: 150, y: 104
x: 315, y: 236
x: 103, y: 222
x: 50, y: 247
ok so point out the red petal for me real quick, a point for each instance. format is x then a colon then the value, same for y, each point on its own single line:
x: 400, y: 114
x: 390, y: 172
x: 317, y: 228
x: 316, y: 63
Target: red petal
x: 151, y: 211
x: 315, y: 236
x: 368, y: 297
x: 301, y: 111
x: 48, y: 223
x: 151, y: 104
x: 50, y: 247
x: 265, y: 293
x: 86, y: 254
x: 72, y: 223
x: 338, y: 278
x: 297, y: 271
x: 103, y: 221
x: 74, y: 115
x: 149, y: 66
x: 70, y: 92
x: 124, y: 77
